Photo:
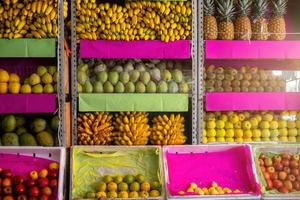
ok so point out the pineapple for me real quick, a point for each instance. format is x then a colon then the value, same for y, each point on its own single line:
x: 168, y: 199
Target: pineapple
x: 225, y: 27
x: 242, y: 25
x: 277, y: 22
x: 210, y: 22
x: 259, y: 23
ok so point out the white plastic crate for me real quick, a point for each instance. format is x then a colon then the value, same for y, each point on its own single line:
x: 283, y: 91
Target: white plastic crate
x: 202, y: 149
x: 291, y: 148
x: 106, y: 149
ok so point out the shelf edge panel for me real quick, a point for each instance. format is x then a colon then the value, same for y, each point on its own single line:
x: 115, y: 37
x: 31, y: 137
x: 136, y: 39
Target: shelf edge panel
x: 89, y: 102
x: 226, y: 49
x: 27, y: 103
x: 230, y: 101
x: 135, y: 49
x: 28, y: 48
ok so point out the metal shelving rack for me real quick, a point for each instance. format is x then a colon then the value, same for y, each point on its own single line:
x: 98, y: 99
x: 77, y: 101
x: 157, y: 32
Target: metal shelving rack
x: 61, y: 96
x: 195, y: 75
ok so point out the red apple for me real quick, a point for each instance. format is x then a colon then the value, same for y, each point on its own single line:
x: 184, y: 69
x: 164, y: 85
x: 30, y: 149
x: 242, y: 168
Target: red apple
x: 287, y: 170
x: 7, y: 190
x: 20, y: 189
x: 274, y: 176
x: 286, y: 155
x: 296, y: 185
x: 283, y: 189
x: 285, y: 162
x: 277, y: 158
x: 291, y: 177
x: 34, y: 191
x: 30, y: 183
x: 43, y: 182
x: 271, y: 170
x: 47, y: 191
x: 53, y: 183
x: 44, y: 197
x: 295, y: 172
x: 6, y: 182
x: 6, y: 173
x: 22, y: 197
x: 278, y: 166
x: 282, y: 175
x: 17, y: 180
x: 277, y: 184
x: 294, y: 164
x: 53, y: 174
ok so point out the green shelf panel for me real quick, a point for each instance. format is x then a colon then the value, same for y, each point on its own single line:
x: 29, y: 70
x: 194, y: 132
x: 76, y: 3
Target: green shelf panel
x: 113, y: 102
x: 27, y: 48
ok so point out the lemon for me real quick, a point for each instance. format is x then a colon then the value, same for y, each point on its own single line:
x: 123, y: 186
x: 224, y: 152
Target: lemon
x: 34, y: 79
x: 48, y: 88
x: 41, y: 70
x: 47, y: 78
x: 37, y: 89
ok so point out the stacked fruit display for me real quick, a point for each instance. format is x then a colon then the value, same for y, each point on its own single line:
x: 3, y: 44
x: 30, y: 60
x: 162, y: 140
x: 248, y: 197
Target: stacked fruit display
x: 133, y: 76
x: 41, y: 185
x: 29, y: 19
x: 252, y: 126
x: 130, y: 128
x: 243, y: 79
x: 43, y: 81
x: 213, y: 189
x: 136, y: 20
x: 17, y: 130
x: 281, y: 172
x: 128, y: 186
x: 245, y: 27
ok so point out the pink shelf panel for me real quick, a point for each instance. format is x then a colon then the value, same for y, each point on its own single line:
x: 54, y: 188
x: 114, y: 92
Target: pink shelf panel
x: 228, y: 101
x: 225, y: 49
x: 135, y: 49
x: 27, y: 103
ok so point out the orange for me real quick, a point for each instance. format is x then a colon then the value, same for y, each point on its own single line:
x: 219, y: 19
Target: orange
x: 14, y: 78
x: 3, y: 88
x: 14, y: 88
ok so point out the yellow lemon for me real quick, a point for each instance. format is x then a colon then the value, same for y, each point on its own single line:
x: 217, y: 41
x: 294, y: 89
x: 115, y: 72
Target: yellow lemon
x: 25, y: 89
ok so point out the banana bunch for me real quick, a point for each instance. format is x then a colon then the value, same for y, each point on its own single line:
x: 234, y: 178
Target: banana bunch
x: 136, y: 20
x: 30, y: 19
x: 168, y: 130
x: 66, y: 9
x: 94, y: 128
x: 131, y: 128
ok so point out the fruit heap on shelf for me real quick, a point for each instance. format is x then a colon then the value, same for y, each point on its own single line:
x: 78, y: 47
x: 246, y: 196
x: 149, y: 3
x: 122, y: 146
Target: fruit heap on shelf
x: 133, y: 76
x: 20, y: 131
x: 251, y: 126
x: 136, y: 20
x: 243, y: 79
x: 41, y: 184
x: 29, y: 19
x: 244, y: 20
x: 213, y: 189
x: 280, y: 172
x: 130, y: 128
x: 128, y: 186
x: 43, y: 81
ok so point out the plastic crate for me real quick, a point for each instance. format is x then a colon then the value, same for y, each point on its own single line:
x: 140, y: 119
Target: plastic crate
x: 184, y: 159
x: 291, y: 148
x: 95, y: 153
x: 24, y: 159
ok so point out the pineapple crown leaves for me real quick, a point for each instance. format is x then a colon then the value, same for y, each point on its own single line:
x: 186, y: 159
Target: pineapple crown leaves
x: 279, y: 7
x: 259, y: 8
x: 209, y: 7
x: 243, y: 7
x: 225, y: 10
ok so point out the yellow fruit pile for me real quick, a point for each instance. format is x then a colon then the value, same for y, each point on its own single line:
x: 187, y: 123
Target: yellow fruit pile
x: 9, y: 83
x: 94, y: 128
x: 214, y: 189
x: 168, y: 130
x: 252, y: 126
x: 128, y: 186
x: 44, y: 81
x: 136, y: 20
x: 131, y: 128
x: 30, y: 19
